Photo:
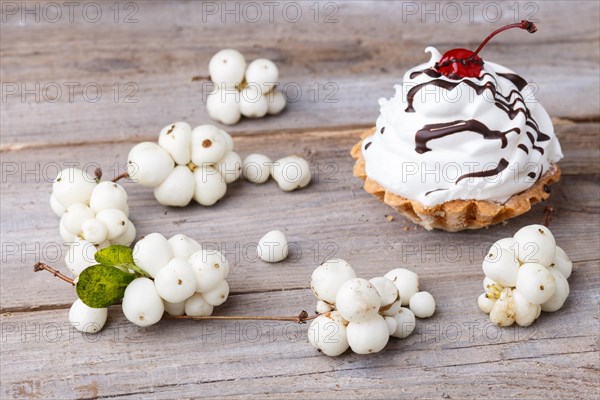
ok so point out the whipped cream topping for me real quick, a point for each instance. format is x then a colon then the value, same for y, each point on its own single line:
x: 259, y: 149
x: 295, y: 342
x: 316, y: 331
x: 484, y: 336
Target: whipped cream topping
x: 441, y: 139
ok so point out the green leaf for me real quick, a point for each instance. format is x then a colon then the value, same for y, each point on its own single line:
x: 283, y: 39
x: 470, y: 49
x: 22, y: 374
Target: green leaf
x: 100, y: 286
x: 114, y: 255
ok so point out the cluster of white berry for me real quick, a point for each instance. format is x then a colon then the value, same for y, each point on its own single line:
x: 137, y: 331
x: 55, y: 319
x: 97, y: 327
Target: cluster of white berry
x: 186, y: 164
x: 360, y: 314
x: 290, y: 173
x: 239, y: 90
x: 525, y: 275
x: 93, y: 215
x: 183, y: 278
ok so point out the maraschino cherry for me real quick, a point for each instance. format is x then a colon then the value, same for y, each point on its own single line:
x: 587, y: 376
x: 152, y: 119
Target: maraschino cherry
x: 463, y: 63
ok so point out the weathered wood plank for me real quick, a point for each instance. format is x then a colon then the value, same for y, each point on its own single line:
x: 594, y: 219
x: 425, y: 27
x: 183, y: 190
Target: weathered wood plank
x: 365, y: 53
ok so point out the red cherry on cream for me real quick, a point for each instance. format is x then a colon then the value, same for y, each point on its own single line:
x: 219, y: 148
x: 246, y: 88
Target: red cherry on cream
x: 463, y: 63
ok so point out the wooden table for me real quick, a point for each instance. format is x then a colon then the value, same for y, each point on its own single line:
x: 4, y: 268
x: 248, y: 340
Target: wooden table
x: 83, y: 88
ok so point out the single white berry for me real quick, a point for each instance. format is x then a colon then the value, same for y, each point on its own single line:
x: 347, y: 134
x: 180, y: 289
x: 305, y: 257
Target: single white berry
x: 503, y: 313
x: 501, y: 265
x: 218, y: 295
x: 562, y: 263
x: 149, y: 164
x: 392, y: 324
x: 561, y: 292
x: 230, y: 167
x: 227, y: 68
x: 73, y: 185
x: 406, y: 281
x: 264, y: 73
x: 273, y: 247
x: 56, y: 207
x: 176, y: 281
x: 94, y: 231
x: 323, y: 307
x: 224, y: 106
x: 392, y: 309
x: 183, y: 246
x: 368, y: 335
x: 257, y: 168
x: 291, y: 173
x: 228, y: 140
x: 525, y: 311
x: 127, y: 237
x: 108, y: 195
x: 327, y: 333
x: 151, y: 253
x: 422, y: 304
x: 253, y: 104
x: 535, y: 244
x: 486, y: 302
x: 116, y: 222
x: 141, y: 303
x: 210, y: 267
x: 80, y: 255
x: 196, y: 306
x: 174, y: 309
x: 74, y: 217
x: 66, y: 236
x: 176, y: 140
x: 177, y: 189
x: 276, y: 101
x: 327, y: 278
x: 406, y: 323
x: 535, y: 283
x: 87, y: 319
x: 386, y: 289
x: 357, y: 300
x: 208, y: 145
x: 210, y: 186
x: 506, y: 243
x: 490, y: 286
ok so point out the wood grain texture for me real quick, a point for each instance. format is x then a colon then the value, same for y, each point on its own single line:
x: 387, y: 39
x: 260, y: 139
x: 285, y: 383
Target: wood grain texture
x: 455, y: 354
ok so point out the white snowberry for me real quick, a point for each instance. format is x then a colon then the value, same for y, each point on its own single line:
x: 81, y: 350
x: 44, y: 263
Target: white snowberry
x: 210, y: 186
x: 422, y: 304
x: 405, y: 319
x: 273, y: 247
x: 73, y: 185
x: 87, y: 319
x: 116, y: 222
x: 535, y: 244
x: 406, y: 281
x: 174, y: 309
x: 501, y: 265
x: 176, y: 281
x: 535, y: 283
x: 323, y: 307
x: 525, y: 311
x: 127, y: 237
x: 257, y: 168
x: 151, y: 253
x: 228, y: 140
x: 196, y: 306
x: 561, y: 292
x: 74, y: 217
x: 392, y: 309
x: 327, y: 278
x: 218, y: 295
x: 208, y: 145
x: 183, y: 246
x: 490, y: 286
x: 368, y: 335
x: 230, y: 167
x: 108, y: 195
x: 175, y: 138
x: 357, y: 300
x: 66, y: 236
x: 149, y: 164
x: 264, y: 73
x: 227, y: 68
x: 177, y: 189
x: 503, y: 313
x: 210, y: 267
x: 223, y: 106
x: 386, y: 289
x: 94, y: 230
x: 276, y: 101
x: 392, y: 324
x: 291, y: 173
x: 56, y: 207
x: 562, y: 263
x: 141, y: 303
x: 80, y: 255
x: 327, y: 333
x: 253, y: 104
x: 486, y: 302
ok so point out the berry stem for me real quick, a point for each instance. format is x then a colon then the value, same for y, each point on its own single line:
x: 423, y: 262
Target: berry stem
x: 39, y: 266
x: 124, y: 175
x: 547, y: 217
x: 524, y: 24
x: 300, y: 318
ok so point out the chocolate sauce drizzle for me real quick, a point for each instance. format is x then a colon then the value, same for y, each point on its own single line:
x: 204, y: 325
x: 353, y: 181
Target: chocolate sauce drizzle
x: 436, y: 131
x: 433, y: 191
x: 515, y: 79
x: 502, y: 164
x: 524, y: 148
x: 367, y: 145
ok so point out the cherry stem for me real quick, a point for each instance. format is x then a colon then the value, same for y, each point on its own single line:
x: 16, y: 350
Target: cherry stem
x: 528, y: 25
x: 124, y: 175
x: 300, y: 319
x: 39, y: 266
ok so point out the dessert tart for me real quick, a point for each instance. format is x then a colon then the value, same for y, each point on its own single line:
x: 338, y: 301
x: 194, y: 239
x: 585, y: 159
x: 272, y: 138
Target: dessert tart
x: 463, y: 144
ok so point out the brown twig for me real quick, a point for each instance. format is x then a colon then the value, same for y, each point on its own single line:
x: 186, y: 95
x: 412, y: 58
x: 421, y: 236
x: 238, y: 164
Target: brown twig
x: 300, y: 318
x: 548, y: 214
x: 124, y: 175
x: 98, y: 173
x: 200, y: 78
x: 38, y: 266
